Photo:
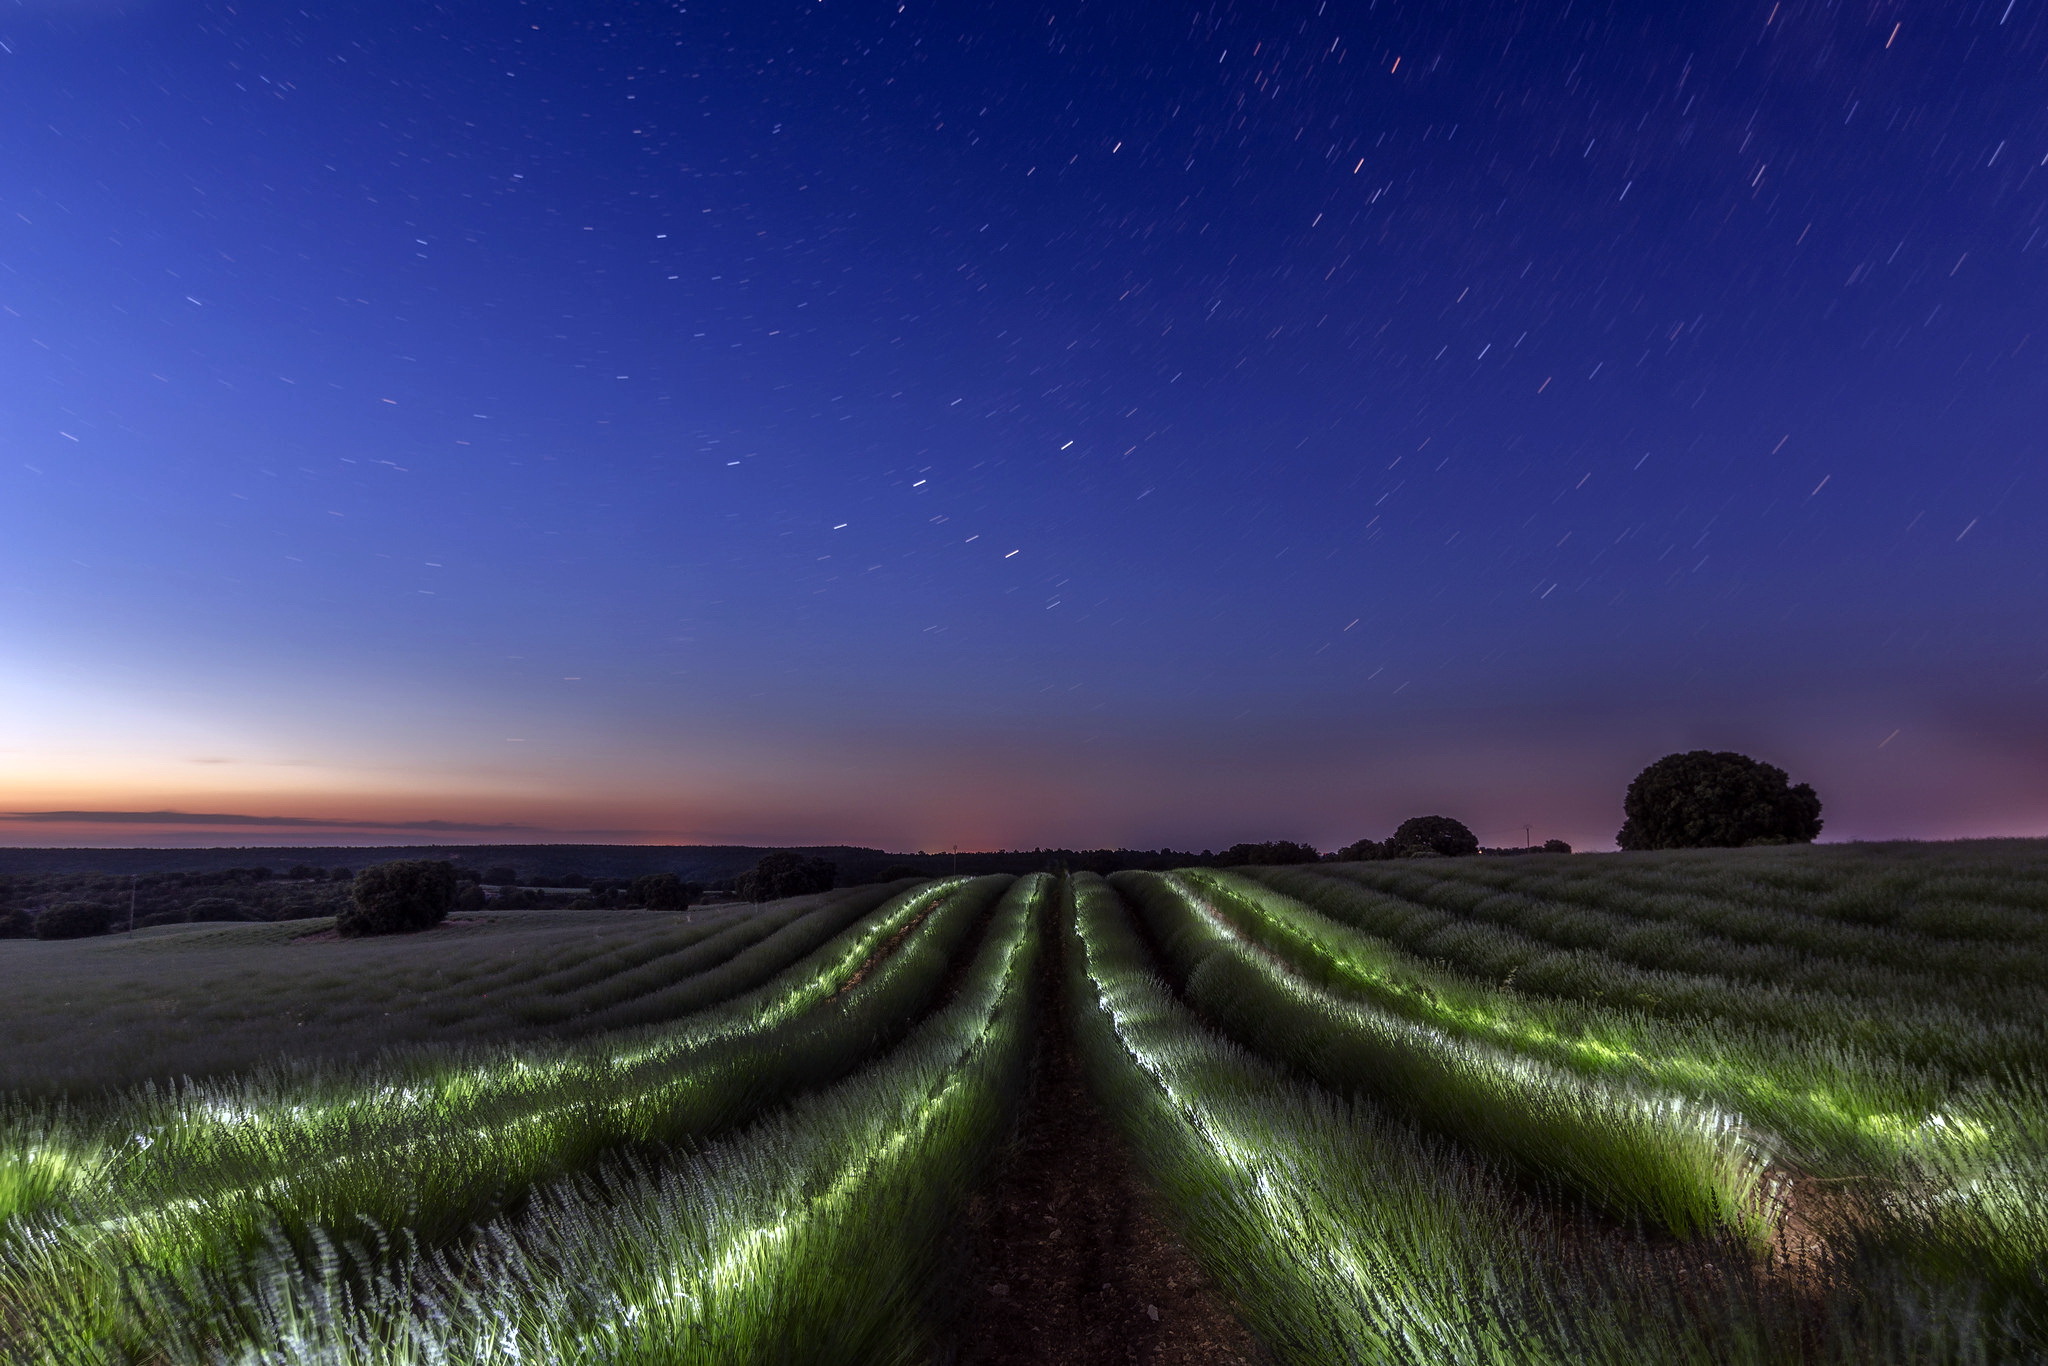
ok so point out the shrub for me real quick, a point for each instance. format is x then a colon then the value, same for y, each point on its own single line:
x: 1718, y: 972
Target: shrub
x: 398, y: 897
x: 218, y: 908
x: 786, y: 874
x: 1556, y: 847
x: 74, y: 920
x: 16, y: 924
x: 897, y: 871
x: 660, y: 892
x: 1426, y: 835
x: 470, y: 898
x: 1704, y: 799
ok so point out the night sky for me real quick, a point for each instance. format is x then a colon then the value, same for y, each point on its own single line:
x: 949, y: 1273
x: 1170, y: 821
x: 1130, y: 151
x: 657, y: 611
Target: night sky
x: 1003, y: 424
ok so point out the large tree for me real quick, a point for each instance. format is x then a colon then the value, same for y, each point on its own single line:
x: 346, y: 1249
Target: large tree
x: 398, y: 897
x: 1708, y: 799
x: 1426, y: 835
x: 661, y: 892
x: 786, y: 873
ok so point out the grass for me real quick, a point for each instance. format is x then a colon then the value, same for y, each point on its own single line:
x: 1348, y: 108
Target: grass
x: 816, y: 1235
x: 1688, y: 1167
x: 1941, y: 1170
x: 1344, y: 1236
x: 1655, y: 954
x: 221, y: 1171
x: 1748, y: 1107
x: 210, y: 1000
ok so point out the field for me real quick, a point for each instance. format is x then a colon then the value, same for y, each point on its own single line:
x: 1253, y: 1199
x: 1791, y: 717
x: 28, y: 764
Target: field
x: 1748, y: 1106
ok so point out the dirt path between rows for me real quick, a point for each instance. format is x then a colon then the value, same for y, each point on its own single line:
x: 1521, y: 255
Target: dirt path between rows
x: 1066, y: 1262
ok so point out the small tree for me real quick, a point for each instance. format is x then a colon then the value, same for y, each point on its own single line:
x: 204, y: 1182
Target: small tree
x: 1427, y: 835
x: 74, y: 920
x: 1708, y: 799
x: 398, y: 897
x: 16, y: 924
x: 659, y: 892
x: 1556, y: 847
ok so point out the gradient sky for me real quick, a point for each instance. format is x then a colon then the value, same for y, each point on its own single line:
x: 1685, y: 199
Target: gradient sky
x: 1009, y: 424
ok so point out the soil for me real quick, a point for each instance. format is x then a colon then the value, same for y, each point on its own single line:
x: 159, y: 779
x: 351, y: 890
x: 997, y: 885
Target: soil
x: 1065, y: 1260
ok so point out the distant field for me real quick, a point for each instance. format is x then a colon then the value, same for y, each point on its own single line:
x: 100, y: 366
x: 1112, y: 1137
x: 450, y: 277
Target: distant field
x: 1759, y: 1106
x: 203, y: 1000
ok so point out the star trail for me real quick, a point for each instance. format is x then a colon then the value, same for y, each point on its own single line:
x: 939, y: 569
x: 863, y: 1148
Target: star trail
x: 1007, y: 424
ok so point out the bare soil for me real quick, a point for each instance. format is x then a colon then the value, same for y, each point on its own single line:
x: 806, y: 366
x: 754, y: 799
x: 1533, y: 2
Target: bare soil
x: 1065, y: 1260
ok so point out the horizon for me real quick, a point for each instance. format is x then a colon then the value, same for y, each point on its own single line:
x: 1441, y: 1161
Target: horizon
x: 907, y: 426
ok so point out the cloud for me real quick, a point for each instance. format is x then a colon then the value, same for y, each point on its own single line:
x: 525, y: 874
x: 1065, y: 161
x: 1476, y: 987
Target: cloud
x: 220, y: 818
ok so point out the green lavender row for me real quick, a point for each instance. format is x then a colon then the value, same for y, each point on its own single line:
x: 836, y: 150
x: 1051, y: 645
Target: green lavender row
x: 1840, y: 1109
x: 1945, y: 1022
x: 1687, y: 1166
x: 166, y: 1139
x: 1345, y: 1238
x: 1956, y: 1196
x: 818, y: 1235
x: 433, y: 1172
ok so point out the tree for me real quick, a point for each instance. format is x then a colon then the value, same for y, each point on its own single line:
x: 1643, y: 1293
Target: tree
x: 1271, y: 854
x: 1556, y: 847
x: 74, y: 920
x: 1432, y: 835
x: 1365, y: 851
x: 660, y: 892
x: 786, y: 873
x: 16, y: 924
x: 1708, y: 799
x: 398, y: 897
x: 501, y: 876
x: 470, y: 898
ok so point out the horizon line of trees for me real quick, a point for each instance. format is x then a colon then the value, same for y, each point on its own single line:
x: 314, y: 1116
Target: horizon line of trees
x: 1691, y: 800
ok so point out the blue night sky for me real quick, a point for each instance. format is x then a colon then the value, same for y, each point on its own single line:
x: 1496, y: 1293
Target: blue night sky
x: 1010, y: 423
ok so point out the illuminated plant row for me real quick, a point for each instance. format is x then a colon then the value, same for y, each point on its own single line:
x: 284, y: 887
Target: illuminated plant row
x: 157, y: 1139
x: 1961, y: 1195
x: 816, y: 1236
x: 1502, y: 939
x: 1837, y: 1109
x: 432, y: 1170
x: 1344, y: 1236
x: 1688, y: 1167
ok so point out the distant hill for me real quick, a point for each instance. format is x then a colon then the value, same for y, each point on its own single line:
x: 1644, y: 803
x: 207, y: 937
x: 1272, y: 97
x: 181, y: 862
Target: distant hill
x: 692, y: 862
x: 705, y: 863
